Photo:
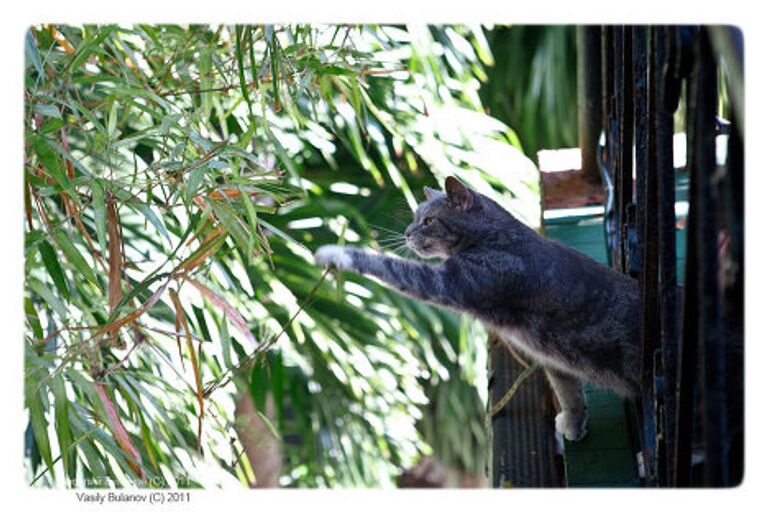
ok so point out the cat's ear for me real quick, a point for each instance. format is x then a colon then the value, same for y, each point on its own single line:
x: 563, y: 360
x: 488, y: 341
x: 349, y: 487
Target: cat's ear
x: 458, y: 194
x: 431, y: 193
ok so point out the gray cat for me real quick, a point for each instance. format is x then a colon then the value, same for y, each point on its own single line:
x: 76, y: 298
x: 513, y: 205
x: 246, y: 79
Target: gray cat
x: 577, y: 317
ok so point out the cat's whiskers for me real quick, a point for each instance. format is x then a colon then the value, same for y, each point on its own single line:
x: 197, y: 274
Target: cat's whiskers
x: 386, y: 233
x: 391, y: 241
x: 383, y: 228
x: 391, y: 235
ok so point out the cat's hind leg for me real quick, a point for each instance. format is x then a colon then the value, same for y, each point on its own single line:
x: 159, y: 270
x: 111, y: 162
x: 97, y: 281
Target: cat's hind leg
x: 571, y: 421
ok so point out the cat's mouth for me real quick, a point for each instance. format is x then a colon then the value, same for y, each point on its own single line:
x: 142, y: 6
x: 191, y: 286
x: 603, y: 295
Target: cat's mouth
x: 422, y: 248
x: 413, y: 245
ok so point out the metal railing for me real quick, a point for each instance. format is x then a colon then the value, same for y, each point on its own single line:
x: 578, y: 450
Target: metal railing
x: 691, y: 406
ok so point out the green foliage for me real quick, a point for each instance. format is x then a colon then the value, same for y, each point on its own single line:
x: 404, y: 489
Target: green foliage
x: 177, y: 181
x: 532, y: 86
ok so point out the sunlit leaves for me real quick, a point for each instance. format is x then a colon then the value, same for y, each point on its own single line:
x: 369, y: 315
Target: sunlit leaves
x: 532, y: 86
x: 187, y: 158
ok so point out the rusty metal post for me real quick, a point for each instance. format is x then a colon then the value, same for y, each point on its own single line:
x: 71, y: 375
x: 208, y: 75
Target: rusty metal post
x: 589, y: 78
x: 662, y: 103
x: 733, y: 296
x: 712, y: 340
x: 608, y: 160
x: 625, y: 100
x: 647, y: 207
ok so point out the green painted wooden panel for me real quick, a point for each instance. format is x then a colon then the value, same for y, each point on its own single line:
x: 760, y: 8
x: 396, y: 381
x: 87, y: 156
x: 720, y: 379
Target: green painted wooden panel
x: 584, y: 235
x: 605, y: 457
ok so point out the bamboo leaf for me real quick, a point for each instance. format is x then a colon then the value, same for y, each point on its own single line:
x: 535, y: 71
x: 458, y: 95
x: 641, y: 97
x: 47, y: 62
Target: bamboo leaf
x: 231, y: 222
x: 226, y: 342
x: 47, y: 110
x: 145, y: 94
x: 48, y: 297
x: 93, y: 459
x: 51, y: 263
x: 259, y: 386
x: 284, y: 157
x: 119, y: 433
x: 152, y: 218
x: 149, y: 443
x: 112, y: 119
x: 268, y: 423
x: 253, y: 220
x: 73, y: 254
x: 33, y: 56
x: 239, y: 41
x: 32, y: 318
x: 51, y: 125
x: 202, y: 325
x: 209, y: 246
x: 231, y: 313
x: 182, y: 320
x: 99, y: 213
x: 35, y: 405
x: 63, y: 429
x: 274, y: 48
x: 115, y: 289
x: 50, y: 161
x: 194, y: 181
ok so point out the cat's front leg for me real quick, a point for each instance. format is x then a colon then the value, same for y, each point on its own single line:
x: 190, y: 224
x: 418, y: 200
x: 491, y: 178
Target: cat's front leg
x: 571, y: 421
x: 423, y: 281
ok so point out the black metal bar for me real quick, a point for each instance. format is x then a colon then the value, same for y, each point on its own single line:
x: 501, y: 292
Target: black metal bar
x: 733, y: 296
x: 626, y: 127
x: 662, y: 103
x: 589, y: 79
x: 652, y: 153
x: 646, y: 195
x: 607, y: 80
x: 702, y: 350
x: 688, y: 355
x: 609, y: 127
x: 711, y: 340
x: 728, y: 44
x: 647, y: 201
x: 622, y: 80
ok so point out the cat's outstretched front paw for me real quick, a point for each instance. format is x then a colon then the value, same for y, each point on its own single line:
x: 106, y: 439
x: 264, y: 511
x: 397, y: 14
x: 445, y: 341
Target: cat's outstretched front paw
x: 572, y: 425
x: 333, y: 255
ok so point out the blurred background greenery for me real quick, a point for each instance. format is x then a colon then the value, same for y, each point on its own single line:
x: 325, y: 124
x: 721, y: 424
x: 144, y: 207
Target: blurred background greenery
x: 177, y: 181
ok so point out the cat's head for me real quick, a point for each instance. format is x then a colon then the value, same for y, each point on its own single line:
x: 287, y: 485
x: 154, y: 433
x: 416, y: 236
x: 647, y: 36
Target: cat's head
x: 447, y: 222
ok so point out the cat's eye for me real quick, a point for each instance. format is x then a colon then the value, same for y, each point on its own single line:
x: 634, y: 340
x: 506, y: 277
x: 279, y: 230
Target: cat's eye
x: 426, y: 221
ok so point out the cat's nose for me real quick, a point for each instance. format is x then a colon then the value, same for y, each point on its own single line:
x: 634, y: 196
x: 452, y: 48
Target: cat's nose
x: 408, y: 231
